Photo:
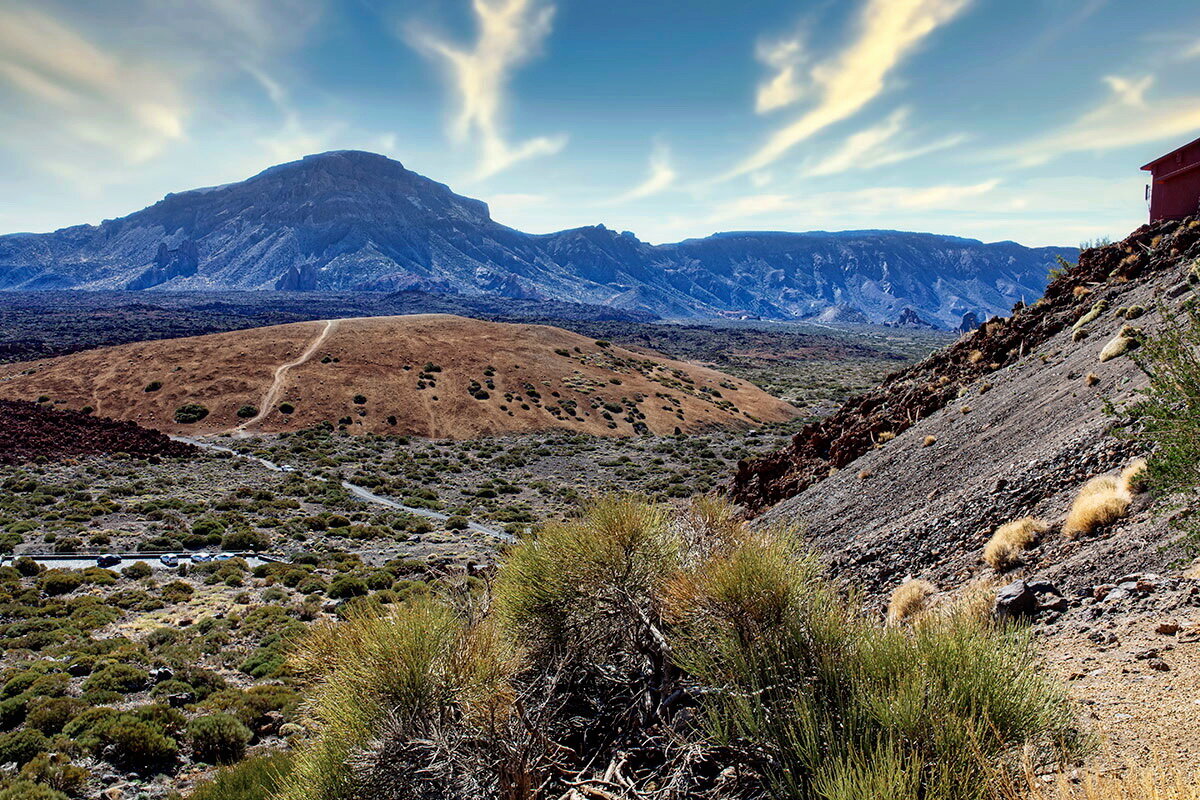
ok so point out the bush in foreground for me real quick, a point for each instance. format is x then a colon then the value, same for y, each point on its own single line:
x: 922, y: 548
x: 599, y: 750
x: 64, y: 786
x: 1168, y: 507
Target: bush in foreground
x: 257, y: 778
x: 218, y: 738
x: 609, y: 631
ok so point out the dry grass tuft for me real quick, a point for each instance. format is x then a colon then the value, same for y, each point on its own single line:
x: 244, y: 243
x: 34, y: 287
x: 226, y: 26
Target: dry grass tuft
x: 1092, y: 379
x: 908, y: 600
x: 975, y: 356
x: 1003, y: 550
x: 1101, y: 501
x: 1133, y: 477
x: 930, y: 441
x: 1081, y: 291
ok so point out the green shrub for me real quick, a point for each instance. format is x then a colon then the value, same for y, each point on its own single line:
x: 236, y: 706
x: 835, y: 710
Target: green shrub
x: 153, y: 386
x: 56, y: 772
x: 137, y: 570
x: 457, y: 523
x: 286, y: 408
x: 218, y: 738
x: 257, y: 778
x: 59, y: 581
x: 132, y: 744
x: 247, y: 412
x: 418, y: 667
x: 190, y: 412
x: 123, y: 678
x: 22, y: 745
x: 28, y: 790
x: 50, y: 715
x: 344, y: 586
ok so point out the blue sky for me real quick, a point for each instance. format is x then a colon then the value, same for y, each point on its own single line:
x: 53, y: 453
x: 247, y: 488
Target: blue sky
x: 997, y: 119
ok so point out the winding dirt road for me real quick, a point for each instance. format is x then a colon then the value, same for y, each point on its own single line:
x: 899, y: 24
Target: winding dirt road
x: 272, y: 394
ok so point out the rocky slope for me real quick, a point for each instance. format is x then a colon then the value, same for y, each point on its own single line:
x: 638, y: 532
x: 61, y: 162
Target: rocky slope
x: 1008, y: 421
x: 30, y: 431
x: 429, y: 375
x: 353, y: 221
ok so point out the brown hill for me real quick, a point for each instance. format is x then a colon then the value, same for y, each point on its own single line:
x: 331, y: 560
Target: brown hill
x: 427, y: 375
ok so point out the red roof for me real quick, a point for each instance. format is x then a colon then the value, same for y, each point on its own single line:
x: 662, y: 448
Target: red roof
x: 1170, y: 154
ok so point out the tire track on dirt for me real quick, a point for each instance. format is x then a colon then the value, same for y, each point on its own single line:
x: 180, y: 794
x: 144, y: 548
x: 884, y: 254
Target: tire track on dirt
x: 270, y: 397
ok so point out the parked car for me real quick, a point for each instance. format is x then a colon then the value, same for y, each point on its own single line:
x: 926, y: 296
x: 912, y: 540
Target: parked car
x: 201, y: 558
x: 108, y: 560
x: 169, y: 560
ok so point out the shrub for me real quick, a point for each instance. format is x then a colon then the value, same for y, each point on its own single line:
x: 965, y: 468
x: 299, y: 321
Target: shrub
x: 1102, y: 501
x: 247, y: 412
x: 59, y: 581
x: 133, y: 744
x: 137, y: 570
x: 218, y: 738
x: 123, y: 678
x: 415, y: 668
x: 22, y: 745
x: 153, y: 386
x: 1003, y: 550
x: 286, y: 408
x: 457, y: 523
x: 189, y: 413
x: 244, y: 539
x: 359, y: 399
x: 54, y: 771
x: 344, y: 586
x: 909, y: 599
x: 1134, y: 477
x: 256, y: 778
x: 27, y: 790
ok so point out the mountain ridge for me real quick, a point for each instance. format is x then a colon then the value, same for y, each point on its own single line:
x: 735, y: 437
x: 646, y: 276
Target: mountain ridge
x: 357, y: 221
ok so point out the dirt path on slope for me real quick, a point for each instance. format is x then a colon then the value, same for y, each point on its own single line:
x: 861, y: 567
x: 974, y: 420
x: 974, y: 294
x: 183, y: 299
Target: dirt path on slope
x: 272, y: 394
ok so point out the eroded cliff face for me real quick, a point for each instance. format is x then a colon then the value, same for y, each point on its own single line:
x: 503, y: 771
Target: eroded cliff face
x: 1154, y: 255
x: 355, y: 221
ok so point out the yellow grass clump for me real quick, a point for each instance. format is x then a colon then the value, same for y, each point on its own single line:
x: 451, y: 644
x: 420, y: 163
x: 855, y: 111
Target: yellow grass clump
x: 1092, y: 379
x: 1003, y: 550
x: 909, y: 599
x: 930, y: 441
x: 1133, y: 477
x: 1081, y: 291
x: 1102, y: 500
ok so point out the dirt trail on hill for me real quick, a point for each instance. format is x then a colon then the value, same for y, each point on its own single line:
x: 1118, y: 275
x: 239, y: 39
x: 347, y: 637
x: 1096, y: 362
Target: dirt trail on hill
x: 272, y: 394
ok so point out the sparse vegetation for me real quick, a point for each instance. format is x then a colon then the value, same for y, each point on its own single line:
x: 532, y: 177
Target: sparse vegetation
x: 908, y: 600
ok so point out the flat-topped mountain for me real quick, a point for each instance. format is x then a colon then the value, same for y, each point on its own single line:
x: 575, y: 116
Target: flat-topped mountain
x: 356, y: 221
x: 430, y: 375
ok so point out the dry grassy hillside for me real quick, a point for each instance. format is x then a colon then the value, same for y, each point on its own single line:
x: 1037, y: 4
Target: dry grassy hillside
x: 427, y: 375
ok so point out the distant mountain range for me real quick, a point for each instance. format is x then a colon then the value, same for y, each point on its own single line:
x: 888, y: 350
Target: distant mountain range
x: 356, y: 221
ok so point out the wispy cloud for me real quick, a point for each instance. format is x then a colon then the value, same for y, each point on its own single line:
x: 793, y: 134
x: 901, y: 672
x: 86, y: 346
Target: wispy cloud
x: 1126, y: 117
x: 887, y: 32
x: 661, y: 177
x: 877, y: 146
x: 63, y: 87
x: 875, y: 201
x: 510, y: 33
x: 785, y: 57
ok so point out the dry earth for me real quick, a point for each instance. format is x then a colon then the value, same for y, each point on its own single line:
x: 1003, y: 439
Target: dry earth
x: 428, y: 375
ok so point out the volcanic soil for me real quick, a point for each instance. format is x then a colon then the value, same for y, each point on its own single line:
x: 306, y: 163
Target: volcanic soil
x: 429, y: 375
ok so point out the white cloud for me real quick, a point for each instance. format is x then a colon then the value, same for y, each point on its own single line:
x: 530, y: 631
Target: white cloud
x: 510, y: 33
x: 888, y: 31
x: 783, y: 88
x: 874, y: 147
x: 662, y: 176
x: 1125, y: 118
x: 65, y: 92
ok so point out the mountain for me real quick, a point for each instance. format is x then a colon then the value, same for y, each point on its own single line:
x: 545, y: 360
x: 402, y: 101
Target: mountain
x: 356, y: 221
x: 430, y: 375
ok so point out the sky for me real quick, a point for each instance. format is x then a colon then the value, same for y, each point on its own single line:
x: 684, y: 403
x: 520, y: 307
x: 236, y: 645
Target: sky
x: 1025, y: 120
